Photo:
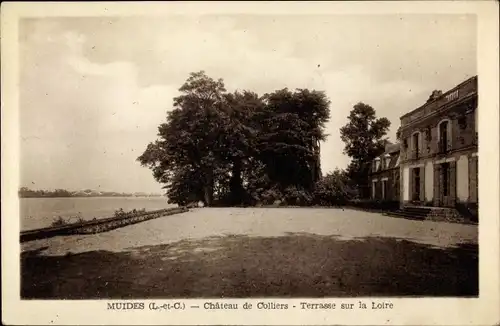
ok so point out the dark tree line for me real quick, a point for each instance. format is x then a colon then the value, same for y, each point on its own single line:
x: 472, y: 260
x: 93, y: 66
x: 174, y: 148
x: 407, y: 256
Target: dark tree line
x: 25, y: 192
x: 234, y: 148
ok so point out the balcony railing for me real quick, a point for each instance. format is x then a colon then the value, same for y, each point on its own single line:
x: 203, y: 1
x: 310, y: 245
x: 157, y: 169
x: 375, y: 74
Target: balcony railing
x: 444, y: 147
x: 467, y: 88
x: 415, y: 154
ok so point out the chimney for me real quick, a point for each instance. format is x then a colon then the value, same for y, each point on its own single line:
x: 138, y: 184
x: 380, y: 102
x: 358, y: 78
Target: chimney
x: 388, y: 144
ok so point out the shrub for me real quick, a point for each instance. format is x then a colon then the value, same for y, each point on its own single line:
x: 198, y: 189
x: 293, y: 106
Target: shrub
x: 298, y: 196
x: 270, y: 196
x: 121, y: 213
x: 275, y: 196
x: 192, y: 205
x: 333, y: 190
x: 59, y: 221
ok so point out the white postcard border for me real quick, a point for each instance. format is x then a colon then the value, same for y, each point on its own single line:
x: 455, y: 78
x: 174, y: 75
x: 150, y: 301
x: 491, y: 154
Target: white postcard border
x: 414, y: 311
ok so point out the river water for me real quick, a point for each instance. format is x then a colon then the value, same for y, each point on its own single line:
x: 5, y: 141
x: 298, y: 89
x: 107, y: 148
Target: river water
x: 41, y: 212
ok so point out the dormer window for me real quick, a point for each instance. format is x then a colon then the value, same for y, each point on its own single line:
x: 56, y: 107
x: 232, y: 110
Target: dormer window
x: 377, y: 164
x: 387, y: 160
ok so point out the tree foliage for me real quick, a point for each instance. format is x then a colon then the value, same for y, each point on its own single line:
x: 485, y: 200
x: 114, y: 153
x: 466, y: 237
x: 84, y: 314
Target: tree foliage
x: 398, y: 134
x: 364, y: 138
x: 292, y: 126
x: 191, y: 142
x: 237, y: 147
x: 334, y: 189
x: 25, y: 192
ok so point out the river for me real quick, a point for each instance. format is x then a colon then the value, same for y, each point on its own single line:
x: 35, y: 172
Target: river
x: 41, y: 212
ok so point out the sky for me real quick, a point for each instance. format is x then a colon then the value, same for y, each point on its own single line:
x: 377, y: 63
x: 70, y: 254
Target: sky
x: 93, y: 91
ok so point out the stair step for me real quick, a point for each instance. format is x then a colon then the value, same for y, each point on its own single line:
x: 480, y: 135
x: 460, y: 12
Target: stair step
x: 412, y: 211
x: 441, y: 214
x: 417, y: 209
x: 407, y: 215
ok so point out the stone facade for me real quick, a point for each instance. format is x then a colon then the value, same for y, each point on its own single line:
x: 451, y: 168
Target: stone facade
x: 439, y: 162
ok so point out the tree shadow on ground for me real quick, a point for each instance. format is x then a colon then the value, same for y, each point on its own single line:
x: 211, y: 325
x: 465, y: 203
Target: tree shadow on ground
x: 294, y: 265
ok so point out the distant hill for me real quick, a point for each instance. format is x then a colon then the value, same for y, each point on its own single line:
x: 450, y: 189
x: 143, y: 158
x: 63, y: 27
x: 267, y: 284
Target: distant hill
x: 25, y: 192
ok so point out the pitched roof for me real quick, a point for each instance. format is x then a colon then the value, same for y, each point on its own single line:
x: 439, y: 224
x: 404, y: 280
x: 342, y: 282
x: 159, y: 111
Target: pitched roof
x: 391, y: 148
x: 392, y: 153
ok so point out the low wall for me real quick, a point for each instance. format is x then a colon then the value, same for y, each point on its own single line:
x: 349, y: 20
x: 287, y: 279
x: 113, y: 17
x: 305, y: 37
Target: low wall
x: 97, y: 226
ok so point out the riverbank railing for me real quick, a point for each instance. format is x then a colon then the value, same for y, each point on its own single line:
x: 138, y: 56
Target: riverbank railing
x: 98, y: 225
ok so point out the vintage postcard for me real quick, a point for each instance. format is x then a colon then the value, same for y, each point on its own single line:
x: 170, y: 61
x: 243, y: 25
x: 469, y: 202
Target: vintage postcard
x: 250, y: 163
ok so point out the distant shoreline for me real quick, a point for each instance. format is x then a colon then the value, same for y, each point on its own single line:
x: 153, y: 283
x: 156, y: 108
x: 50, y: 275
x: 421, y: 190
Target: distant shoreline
x: 95, y: 196
x: 25, y: 192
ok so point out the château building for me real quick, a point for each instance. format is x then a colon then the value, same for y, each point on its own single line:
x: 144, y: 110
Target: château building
x: 384, y: 174
x: 438, y: 155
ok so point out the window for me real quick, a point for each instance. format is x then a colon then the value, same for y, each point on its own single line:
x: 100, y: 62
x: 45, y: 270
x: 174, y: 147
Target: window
x: 444, y: 136
x: 462, y: 122
x: 395, y: 183
x: 416, y: 144
x: 477, y: 177
x: 387, y: 162
x: 476, y: 119
x: 384, y: 187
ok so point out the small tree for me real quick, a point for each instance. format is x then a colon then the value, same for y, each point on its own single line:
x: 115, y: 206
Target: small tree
x: 364, y: 138
x: 398, y: 134
x: 334, y: 189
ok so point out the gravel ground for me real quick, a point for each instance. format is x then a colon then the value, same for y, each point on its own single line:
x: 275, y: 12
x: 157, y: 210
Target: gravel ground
x: 257, y: 252
x: 265, y: 222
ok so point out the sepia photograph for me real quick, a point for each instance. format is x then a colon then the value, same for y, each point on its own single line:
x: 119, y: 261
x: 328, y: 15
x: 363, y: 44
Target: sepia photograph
x: 258, y: 156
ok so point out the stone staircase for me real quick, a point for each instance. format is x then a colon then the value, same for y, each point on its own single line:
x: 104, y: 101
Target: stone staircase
x: 412, y: 212
x: 441, y: 214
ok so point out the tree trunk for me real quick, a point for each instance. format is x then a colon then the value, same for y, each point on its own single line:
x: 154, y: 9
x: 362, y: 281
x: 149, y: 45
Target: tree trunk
x: 208, y: 188
x: 236, y: 183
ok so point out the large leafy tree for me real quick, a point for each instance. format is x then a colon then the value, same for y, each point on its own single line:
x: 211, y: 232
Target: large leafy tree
x: 364, y: 138
x: 241, y: 130
x: 191, y: 142
x: 234, y: 146
x: 292, y: 127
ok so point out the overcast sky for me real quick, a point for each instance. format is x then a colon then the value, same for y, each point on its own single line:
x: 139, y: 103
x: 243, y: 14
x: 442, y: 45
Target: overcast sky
x: 94, y: 90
